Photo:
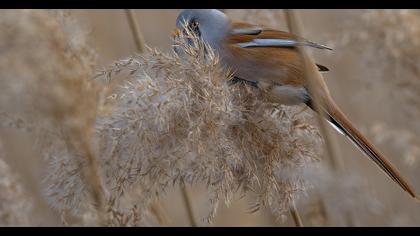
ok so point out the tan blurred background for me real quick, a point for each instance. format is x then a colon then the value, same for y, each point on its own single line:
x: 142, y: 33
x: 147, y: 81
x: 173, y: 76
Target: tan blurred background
x: 373, y: 84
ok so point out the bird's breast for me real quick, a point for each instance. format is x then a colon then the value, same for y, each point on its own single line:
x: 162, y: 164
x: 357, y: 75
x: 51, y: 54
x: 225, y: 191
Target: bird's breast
x: 285, y: 94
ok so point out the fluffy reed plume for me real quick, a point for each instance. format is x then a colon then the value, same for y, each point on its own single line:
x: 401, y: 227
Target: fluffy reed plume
x: 347, y: 200
x: 400, y: 34
x: 402, y: 140
x: 14, y: 208
x: 392, y: 56
x: 390, y: 41
x: 177, y: 121
x: 47, y: 94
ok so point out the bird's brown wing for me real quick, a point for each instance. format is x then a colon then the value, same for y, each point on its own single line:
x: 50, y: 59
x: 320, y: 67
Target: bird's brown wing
x: 280, y: 65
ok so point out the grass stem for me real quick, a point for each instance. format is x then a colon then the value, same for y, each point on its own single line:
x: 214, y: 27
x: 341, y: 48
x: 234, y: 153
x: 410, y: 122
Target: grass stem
x: 188, y: 206
x: 93, y: 179
x: 157, y: 210
x: 296, y: 216
x: 135, y: 30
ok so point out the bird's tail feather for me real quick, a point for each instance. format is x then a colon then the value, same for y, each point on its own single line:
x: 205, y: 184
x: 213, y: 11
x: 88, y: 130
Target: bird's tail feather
x: 337, y: 119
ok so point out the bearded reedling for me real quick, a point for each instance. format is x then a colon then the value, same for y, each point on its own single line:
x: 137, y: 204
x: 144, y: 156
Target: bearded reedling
x: 268, y: 59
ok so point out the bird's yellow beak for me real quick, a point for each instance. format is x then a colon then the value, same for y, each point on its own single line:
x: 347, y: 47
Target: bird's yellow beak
x: 176, y: 33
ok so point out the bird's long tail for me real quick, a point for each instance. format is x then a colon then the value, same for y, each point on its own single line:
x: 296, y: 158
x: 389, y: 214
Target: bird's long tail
x: 337, y: 119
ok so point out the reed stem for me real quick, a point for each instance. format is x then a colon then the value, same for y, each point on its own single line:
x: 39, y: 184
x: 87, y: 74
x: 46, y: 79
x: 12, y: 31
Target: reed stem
x: 135, y: 30
x: 157, y: 210
x: 93, y: 178
x: 295, y: 214
x: 188, y: 206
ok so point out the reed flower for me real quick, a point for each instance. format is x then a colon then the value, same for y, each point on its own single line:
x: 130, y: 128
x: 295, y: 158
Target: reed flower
x: 179, y: 121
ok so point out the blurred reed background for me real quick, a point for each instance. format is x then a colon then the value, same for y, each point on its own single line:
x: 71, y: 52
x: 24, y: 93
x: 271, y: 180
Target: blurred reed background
x: 374, y: 77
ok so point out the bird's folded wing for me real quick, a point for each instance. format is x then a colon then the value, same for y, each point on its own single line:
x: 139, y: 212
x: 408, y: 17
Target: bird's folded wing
x: 246, y: 35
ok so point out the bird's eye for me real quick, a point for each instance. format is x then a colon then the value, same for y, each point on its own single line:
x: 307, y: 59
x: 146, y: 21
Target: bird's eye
x: 194, y: 26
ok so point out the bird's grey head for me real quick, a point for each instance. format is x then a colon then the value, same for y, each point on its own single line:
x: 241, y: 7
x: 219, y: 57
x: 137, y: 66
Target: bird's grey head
x: 210, y: 25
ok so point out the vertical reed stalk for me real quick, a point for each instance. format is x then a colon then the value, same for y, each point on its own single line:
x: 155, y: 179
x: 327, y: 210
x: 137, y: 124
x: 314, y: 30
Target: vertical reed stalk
x: 188, y: 206
x: 157, y: 210
x: 93, y: 179
x: 295, y: 214
x: 135, y: 30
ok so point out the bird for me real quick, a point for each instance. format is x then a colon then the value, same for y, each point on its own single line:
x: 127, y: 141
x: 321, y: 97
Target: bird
x: 269, y: 59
